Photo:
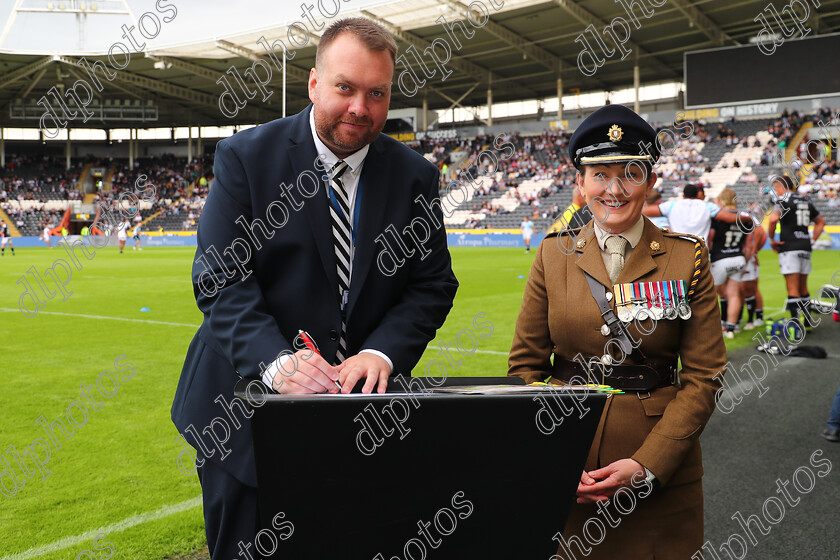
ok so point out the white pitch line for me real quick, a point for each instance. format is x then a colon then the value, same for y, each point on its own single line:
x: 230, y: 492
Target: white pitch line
x: 430, y: 349
x: 120, y: 526
x: 9, y: 310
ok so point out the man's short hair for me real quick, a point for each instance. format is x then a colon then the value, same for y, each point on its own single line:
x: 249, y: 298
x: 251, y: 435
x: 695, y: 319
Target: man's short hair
x: 690, y: 191
x: 370, y: 33
x: 786, y: 182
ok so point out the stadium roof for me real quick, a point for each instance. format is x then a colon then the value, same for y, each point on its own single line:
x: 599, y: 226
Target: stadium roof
x: 520, y: 51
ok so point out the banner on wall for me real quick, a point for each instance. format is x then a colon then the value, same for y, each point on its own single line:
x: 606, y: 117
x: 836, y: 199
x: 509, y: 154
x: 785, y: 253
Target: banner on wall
x: 455, y: 238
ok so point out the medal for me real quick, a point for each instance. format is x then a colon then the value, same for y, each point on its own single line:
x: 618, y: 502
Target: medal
x: 669, y: 309
x: 663, y: 299
x: 622, y: 304
x: 656, y: 301
x: 625, y: 314
x: 683, y: 309
x: 643, y: 313
x: 640, y: 301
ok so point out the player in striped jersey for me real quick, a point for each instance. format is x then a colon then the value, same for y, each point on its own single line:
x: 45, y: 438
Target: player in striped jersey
x: 795, y: 213
x: 726, y: 253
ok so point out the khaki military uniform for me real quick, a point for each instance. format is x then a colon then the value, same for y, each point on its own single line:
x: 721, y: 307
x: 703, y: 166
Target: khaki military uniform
x: 659, y: 429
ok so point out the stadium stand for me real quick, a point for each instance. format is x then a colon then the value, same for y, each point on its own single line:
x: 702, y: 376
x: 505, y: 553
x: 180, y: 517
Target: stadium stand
x: 536, y: 181
x: 35, y: 191
x: 497, y: 192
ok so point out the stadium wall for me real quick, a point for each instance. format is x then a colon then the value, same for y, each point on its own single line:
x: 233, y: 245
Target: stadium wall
x: 175, y: 239
x: 454, y: 237
x: 659, y: 112
x: 513, y: 238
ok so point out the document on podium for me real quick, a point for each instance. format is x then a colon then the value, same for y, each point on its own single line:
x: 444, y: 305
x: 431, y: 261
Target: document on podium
x: 519, y: 389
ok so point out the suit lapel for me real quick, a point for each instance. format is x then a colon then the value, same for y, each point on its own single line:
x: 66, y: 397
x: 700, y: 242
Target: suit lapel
x: 642, y: 260
x: 302, y: 158
x: 375, y: 193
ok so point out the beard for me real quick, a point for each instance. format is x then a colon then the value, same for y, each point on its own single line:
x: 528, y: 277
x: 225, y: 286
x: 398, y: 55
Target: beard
x: 330, y: 133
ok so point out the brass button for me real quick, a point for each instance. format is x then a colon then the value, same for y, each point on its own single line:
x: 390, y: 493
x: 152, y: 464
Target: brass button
x: 605, y: 330
x: 606, y: 359
x: 609, y: 296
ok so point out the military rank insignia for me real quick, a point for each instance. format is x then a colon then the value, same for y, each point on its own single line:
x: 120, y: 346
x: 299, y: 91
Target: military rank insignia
x: 658, y: 300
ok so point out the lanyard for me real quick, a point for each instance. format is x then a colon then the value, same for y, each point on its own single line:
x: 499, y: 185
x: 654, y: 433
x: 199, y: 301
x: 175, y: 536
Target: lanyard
x: 356, y: 207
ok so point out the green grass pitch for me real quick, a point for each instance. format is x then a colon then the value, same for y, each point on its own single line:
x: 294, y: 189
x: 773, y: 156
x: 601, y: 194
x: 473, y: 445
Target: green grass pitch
x: 118, y: 474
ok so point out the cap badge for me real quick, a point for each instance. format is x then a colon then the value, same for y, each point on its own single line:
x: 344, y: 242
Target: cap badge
x: 581, y: 243
x: 654, y: 245
x: 615, y: 133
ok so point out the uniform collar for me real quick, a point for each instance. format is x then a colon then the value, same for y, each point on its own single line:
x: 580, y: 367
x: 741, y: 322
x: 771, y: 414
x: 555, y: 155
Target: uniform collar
x: 632, y: 235
x: 652, y: 245
x: 329, y: 159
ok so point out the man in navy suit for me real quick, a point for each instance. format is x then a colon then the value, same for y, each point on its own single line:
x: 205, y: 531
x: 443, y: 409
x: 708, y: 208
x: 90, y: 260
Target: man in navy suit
x: 266, y: 267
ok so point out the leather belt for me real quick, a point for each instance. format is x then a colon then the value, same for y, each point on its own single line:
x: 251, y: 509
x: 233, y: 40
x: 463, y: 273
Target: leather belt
x: 625, y: 377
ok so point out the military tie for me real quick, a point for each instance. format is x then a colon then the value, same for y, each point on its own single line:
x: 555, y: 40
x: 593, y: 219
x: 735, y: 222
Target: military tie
x: 615, y: 245
x: 340, y: 216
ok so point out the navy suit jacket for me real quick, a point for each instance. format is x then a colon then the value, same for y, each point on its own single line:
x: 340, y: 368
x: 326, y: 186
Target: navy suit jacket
x: 269, y: 203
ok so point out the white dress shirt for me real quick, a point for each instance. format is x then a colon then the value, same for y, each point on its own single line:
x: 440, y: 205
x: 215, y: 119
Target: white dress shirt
x: 350, y: 181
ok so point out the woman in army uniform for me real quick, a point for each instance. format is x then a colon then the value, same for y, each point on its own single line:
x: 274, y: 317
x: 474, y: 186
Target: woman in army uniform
x: 648, y: 436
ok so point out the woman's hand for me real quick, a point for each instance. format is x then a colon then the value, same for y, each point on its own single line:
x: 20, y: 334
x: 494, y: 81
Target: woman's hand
x: 601, y: 484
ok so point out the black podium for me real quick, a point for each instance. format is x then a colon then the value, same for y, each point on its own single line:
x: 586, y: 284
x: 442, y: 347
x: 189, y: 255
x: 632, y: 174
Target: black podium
x: 420, y: 474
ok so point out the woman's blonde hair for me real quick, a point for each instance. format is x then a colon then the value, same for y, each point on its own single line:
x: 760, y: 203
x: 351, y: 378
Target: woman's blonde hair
x: 727, y: 198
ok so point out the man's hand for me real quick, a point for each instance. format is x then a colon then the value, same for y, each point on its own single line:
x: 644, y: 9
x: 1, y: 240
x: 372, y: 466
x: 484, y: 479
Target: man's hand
x: 601, y: 484
x: 776, y: 244
x: 367, y: 365
x: 306, y: 372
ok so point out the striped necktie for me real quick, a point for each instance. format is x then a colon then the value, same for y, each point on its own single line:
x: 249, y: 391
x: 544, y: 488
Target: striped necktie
x: 340, y: 217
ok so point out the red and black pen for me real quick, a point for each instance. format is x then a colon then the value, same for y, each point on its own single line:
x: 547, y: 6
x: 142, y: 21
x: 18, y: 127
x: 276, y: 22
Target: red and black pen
x: 310, y: 344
